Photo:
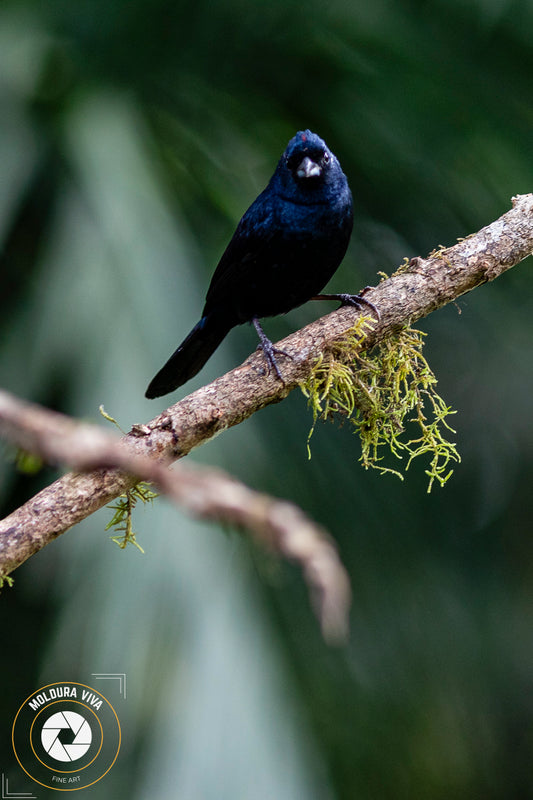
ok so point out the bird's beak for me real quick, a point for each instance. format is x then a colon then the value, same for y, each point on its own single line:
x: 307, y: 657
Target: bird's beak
x: 308, y: 169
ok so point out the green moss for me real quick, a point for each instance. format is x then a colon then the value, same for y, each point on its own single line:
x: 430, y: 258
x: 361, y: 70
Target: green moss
x: 122, y: 518
x: 123, y: 508
x: 28, y: 463
x: 389, y: 395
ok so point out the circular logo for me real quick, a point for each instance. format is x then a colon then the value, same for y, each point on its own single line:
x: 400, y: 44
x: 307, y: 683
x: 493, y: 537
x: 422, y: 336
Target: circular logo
x: 66, y: 736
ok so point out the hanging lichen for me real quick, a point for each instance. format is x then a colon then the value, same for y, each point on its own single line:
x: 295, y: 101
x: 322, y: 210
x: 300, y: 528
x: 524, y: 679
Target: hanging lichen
x: 390, y: 397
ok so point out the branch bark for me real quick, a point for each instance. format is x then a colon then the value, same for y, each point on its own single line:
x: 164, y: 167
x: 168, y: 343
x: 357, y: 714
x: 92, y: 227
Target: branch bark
x: 423, y: 286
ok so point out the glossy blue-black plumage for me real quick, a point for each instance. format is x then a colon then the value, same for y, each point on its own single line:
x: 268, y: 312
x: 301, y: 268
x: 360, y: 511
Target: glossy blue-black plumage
x: 285, y: 249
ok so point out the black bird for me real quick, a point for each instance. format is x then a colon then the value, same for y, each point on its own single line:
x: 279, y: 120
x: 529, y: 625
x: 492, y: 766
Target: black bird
x: 283, y: 252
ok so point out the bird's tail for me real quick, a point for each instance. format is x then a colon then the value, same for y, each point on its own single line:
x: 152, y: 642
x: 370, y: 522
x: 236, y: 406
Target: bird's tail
x: 190, y: 356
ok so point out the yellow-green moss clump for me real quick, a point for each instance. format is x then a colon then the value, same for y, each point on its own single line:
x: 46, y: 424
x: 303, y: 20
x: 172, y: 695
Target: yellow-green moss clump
x: 390, y: 396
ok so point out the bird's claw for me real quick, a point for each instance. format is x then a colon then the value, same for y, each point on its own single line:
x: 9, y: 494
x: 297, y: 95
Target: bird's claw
x: 358, y: 301
x: 269, y: 352
x: 268, y: 349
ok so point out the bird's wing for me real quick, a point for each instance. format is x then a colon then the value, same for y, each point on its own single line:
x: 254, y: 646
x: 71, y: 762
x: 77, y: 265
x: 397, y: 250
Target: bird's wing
x: 248, y: 247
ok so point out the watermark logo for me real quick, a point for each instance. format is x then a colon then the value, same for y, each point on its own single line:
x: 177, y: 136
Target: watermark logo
x: 62, y: 745
x: 66, y: 736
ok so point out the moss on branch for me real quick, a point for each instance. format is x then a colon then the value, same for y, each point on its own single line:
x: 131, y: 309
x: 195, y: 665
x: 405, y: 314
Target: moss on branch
x: 389, y: 395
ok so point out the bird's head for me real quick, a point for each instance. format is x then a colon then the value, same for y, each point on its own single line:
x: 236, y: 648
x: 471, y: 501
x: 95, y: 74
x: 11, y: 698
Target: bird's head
x: 308, y: 167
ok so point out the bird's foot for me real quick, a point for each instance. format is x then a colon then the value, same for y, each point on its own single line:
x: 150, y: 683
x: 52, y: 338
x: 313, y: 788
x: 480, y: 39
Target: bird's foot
x: 356, y: 300
x: 269, y: 351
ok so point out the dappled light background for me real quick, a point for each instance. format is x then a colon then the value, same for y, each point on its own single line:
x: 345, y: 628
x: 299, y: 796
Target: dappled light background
x: 133, y: 135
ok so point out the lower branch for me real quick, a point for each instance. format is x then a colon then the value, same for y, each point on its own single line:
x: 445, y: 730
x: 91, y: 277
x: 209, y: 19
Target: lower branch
x: 205, y: 493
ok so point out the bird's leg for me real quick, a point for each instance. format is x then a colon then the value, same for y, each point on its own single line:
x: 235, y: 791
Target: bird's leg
x: 268, y: 349
x: 356, y: 300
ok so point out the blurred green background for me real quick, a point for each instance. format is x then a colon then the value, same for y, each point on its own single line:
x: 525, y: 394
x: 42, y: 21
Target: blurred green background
x: 133, y: 135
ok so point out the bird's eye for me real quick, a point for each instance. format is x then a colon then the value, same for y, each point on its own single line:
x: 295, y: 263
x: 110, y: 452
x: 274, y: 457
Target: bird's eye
x: 293, y: 161
x: 325, y: 157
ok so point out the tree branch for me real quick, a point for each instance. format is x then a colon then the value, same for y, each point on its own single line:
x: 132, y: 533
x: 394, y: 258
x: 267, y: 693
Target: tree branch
x: 204, y: 493
x: 423, y: 286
